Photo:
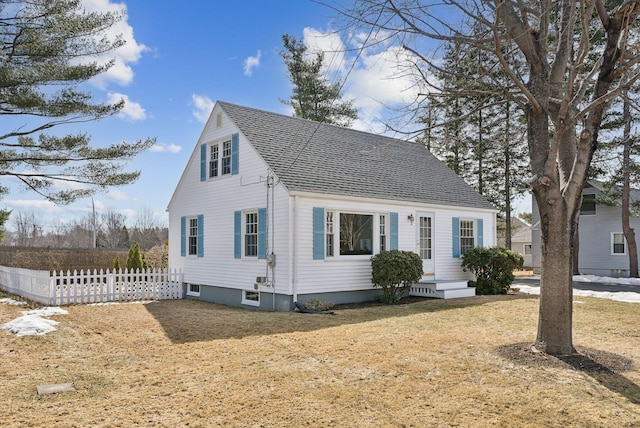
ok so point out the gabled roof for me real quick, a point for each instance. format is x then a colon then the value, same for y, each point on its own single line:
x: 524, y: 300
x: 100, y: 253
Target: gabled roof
x: 315, y: 157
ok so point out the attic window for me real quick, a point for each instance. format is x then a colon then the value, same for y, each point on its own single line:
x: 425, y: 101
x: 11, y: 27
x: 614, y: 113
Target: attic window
x: 588, y: 206
x: 219, y: 120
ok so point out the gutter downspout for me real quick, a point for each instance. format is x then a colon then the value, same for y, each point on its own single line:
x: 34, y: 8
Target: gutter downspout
x: 294, y: 250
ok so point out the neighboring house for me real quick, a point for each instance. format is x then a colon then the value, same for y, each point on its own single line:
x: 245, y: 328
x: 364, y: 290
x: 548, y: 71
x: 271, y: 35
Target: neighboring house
x: 602, y: 248
x: 272, y: 210
x: 520, y: 238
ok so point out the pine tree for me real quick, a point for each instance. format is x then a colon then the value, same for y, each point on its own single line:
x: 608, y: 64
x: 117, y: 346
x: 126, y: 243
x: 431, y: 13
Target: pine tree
x: 48, y: 51
x: 313, y: 96
x: 134, y: 259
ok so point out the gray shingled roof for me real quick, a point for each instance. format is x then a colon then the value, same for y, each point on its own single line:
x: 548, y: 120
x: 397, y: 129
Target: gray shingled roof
x: 315, y: 157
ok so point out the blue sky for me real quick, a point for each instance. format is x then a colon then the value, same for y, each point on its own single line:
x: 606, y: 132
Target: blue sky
x: 179, y: 60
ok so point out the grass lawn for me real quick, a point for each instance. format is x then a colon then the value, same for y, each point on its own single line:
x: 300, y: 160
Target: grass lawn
x: 461, y: 362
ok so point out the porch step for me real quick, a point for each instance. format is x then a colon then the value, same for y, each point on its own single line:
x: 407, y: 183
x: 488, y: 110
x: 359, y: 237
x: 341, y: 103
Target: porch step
x: 442, y: 289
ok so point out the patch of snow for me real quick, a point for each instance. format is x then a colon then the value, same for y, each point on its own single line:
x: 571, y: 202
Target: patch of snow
x: 606, y: 279
x: 8, y: 301
x: 33, y: 322
x: 627, y: 297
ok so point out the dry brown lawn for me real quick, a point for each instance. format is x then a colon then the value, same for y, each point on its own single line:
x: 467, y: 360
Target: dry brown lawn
x: 462, y: 362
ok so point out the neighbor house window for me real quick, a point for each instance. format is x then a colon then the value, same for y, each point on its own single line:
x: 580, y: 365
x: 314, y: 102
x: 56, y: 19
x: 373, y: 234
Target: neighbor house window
x: 226, y: 158
x: 383, y: 233
x: 588, y: 206
x: 213, y: 161
x: 250, y: 297
x: 193, y: 289
x: 618, y: 244
x: 527, y: 249
x: 467, y: 236
x: 356, y: 234
x: 251, y: 235
x: 193, y: 236
x: 329, y: 234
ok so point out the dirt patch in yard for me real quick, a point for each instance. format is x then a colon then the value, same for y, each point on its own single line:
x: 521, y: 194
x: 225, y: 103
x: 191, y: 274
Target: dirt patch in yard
x: 460, y: 362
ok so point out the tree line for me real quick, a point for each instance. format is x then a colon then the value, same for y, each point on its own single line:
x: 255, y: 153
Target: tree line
x: 108, y: 230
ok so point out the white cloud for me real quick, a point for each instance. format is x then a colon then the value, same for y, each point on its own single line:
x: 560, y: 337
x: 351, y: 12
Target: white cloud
x: 380, y: 79
x: 120, y: 73
x: 165, y: 148
x: 251, y: 62
x: 31, y: 204
x: 330, y: 44
x: 203, y: 106
x: 117, y: 195
x: 132, y: 110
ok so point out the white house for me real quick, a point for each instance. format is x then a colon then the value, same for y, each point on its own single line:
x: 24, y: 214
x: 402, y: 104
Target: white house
x: 602, y: 248
x: 272, y: 210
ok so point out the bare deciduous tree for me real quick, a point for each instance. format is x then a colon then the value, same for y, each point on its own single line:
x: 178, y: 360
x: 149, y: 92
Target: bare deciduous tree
x: 563, y: 92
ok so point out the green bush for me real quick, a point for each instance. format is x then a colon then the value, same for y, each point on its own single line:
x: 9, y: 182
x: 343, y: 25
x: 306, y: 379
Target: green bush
x: 493, y: 268
x: 395, y: 271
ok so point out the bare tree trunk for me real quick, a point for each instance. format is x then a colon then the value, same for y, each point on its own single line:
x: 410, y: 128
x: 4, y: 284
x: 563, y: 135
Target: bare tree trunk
x: 627, y: 230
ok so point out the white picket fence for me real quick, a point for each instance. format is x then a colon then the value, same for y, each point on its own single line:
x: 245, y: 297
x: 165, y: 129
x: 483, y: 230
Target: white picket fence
x: 60, y: 288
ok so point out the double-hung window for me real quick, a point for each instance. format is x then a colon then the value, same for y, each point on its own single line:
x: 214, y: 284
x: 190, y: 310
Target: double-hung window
x: 329, y: 234
x: 618, y: 245
x: 193, y: 236
x: 226, y: 158
x: 251, y: 234
x: 213, y: 161
x: 467, y: 235
x: 383, y: 233
x: 220, y: 159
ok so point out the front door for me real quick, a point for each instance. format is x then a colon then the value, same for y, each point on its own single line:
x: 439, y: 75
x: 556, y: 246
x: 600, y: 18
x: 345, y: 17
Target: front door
x: 425, y: 242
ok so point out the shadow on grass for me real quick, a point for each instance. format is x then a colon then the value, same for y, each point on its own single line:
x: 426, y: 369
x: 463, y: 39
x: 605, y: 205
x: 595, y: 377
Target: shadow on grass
x: 602, y: 366
x: 186, y: 321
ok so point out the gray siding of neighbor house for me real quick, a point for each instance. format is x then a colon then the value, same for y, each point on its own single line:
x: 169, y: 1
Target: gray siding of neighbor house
x: 596, y: 234
x: 596, y: 255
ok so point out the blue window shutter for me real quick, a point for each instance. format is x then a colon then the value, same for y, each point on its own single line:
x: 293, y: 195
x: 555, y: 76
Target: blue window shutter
x: 235, y: 152
x: 262, y: 233
x: 393, y: 231
x: 200, y: 235
x: 237, y: 234
x: 203, y: 162
x: 455, y: 236
x: 318, y: 233
x: 480, y: 238
x: 183, y: 236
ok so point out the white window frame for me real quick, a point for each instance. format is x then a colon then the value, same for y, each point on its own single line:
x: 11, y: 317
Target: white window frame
x: 245, y: 233
x: 383, y: 232
x: 222, y: 158
x: 624, y: 243
x: 246, y: 300
x: 214, y: 161
x: 193, y: 289
x: 329, y: 232
x: 332, y: 217
x: 225, y: 158
x: 192, y: 234
x: 464, y: 248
